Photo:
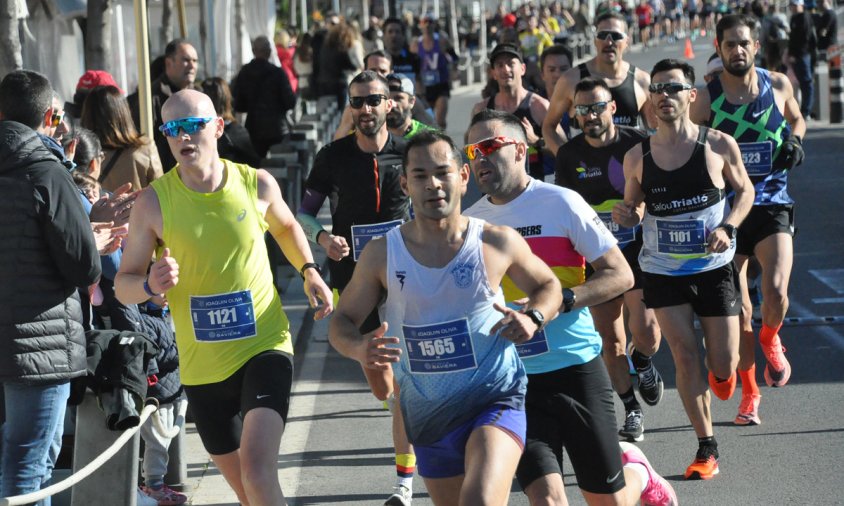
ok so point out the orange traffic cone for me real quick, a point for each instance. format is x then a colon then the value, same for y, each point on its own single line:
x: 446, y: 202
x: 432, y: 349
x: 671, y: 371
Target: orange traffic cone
x: 689, y: 53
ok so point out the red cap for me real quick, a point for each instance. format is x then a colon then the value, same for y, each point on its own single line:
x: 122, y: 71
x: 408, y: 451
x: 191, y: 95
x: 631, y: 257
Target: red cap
x: 509, y: 20
x: 93, y: 78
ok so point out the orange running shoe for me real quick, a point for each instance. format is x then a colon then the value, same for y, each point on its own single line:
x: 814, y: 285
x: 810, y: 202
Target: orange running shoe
x: 777, y: 370
x: 748, y: 410
x: 723, y: 389
x: 705, y: 465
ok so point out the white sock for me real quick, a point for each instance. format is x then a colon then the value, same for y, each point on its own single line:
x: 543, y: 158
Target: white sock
x: 406, y: 482
x: 641, y: 470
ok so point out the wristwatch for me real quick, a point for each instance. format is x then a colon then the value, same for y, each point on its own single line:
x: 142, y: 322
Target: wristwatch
x: 569, y: 298
x: 537, y: 318
x: 729, y: 229
x: 309, y: 265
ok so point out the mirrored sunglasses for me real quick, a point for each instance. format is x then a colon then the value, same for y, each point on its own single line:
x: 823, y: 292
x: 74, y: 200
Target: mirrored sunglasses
x: 189, y: 125
x: 585, y: 109
x: 610, y: 34
x: 57, y: 118
x: 487, y: 147
x: 669, y: 88
x: 370, y: 100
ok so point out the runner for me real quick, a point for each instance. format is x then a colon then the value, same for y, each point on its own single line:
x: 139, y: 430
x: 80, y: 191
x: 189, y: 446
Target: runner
x: 360, y: 174
x: 681, y: 173
x: 436, y: 58
x: 462, y: 391
x: 508, y: 69
x: 569, y: 400
x: 400, y: 121
x: 627, y: 83
x: 590, y: 164
x: 757, y: 107
x: 233, y: 337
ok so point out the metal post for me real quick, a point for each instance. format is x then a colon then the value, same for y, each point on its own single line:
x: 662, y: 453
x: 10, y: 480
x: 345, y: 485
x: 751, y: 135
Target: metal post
x: 183, y: 18
x: 836, y: 86
x: 142, y: 49
x: 820, y: 109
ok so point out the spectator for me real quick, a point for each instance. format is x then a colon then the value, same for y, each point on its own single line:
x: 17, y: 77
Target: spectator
x: 802, y: 53
x: 88, y: 155
x: 263, y: 91
x: 776, y: 38
x: 303, y: 64
x: 129, y: 156
x: 826, y: 26
x: 286, y: 52
x: 336, y: 64
x: 180, y: 65
x: 234, y: 144
x: 89, y: 80
x: 43, y: 345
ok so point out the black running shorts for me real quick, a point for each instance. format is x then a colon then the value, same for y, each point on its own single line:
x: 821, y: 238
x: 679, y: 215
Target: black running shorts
x: 572, y: 408
x: 764, y: 221
x: 219, y: 408
x: 711, y: 293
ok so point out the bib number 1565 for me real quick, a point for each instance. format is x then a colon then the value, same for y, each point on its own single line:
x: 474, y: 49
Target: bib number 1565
x: 436, y: 347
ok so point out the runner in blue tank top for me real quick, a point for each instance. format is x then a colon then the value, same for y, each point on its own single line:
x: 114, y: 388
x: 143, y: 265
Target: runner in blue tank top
x: 447, y: 333
x: 758, y: 109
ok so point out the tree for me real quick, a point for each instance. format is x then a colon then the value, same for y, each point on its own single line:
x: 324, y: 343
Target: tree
x: 10, y: 41
x: 98, y: 40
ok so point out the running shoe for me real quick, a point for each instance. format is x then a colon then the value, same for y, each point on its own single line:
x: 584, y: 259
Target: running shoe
x: 658, y: 492
x: 748, y: 410
x: 144, y: 500
x: 166, y: 496
x: 633, y: 429
x: 723, y: 389
x: 777, y: 370
x: 650, y: 385
x: 705, y: 465
x: 401, y: 497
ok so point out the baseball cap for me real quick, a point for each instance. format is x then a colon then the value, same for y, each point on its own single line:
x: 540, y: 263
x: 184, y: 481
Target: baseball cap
x: 399, y: 82
x: 508, y: 49
x: 509, y: 20
x: 93, y: 78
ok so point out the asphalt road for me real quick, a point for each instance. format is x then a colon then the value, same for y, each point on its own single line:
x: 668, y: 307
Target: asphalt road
x: 337, y: 447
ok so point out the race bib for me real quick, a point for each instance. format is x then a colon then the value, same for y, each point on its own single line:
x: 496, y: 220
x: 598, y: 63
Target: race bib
x: 440, y: 347
x: 623, y: 235
x: 362, y: 234
x: 430, y: 77
x: 535, y: 347
x: 687, y: 237
x: 224, y: 317
x: 756, y: 157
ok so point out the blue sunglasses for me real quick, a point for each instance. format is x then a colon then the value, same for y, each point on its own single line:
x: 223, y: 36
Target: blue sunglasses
x: 189, y: 125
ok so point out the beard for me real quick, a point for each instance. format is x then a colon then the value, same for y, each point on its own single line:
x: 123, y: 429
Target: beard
x: 737, y: 71
x: 595, y: 130
x: 378, y: 122
x: 396, y: 118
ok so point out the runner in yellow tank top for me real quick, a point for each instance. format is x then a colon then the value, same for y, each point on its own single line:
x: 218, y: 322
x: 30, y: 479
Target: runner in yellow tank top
x: 206, y: 220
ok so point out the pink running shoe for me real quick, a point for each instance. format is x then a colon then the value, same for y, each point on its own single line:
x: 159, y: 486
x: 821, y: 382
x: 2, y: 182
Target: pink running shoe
x: 748, y: 410
x: 658, y: 492
x: 166, y: 496
x: 777, y: 370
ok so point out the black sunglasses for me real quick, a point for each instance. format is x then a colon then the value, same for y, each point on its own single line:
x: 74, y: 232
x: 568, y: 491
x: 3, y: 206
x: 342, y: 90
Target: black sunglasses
x: 669, y: 88
x: 370, y: 100
x: 615, y: 36
x: 584, y: 110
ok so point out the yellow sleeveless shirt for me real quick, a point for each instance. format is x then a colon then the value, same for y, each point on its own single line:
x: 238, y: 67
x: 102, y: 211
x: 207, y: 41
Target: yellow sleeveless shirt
x: 225, y: 307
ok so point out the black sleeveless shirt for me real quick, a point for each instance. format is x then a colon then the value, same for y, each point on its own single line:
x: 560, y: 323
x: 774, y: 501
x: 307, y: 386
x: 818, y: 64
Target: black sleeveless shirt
x: 627, y: 108
x: 536, y: 168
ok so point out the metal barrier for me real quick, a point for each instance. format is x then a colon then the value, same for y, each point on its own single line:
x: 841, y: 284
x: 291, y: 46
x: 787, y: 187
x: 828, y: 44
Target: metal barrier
x: 836, y: 85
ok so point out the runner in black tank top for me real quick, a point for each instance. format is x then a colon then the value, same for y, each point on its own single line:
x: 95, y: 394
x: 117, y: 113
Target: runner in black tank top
x: 536, y: 168
x: 627, y: 107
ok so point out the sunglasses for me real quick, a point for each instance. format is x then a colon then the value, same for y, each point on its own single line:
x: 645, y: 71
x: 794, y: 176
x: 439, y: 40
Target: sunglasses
x: 669, y: 88
x: 370, y: 100
x: 57, y: 119
x: 189, y: 125
x: 610, y: 34
x: 487, y: 147
x: 584, y: 110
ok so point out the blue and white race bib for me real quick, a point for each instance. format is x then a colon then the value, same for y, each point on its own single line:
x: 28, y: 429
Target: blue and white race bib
x: 623, y: 235
x: 223, y: 317
x: 686, y: 237
x: 538, y: 345
x: 440, y: 347
x: 362, y: 234
x: 756, y: 157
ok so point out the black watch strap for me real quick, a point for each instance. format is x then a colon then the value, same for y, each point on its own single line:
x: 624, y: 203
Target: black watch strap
x: 569, y: 298
x: 309, y: 265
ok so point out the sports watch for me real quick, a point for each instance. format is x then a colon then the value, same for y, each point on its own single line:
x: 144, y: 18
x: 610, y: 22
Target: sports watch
x: 537, y: 318
x: 309, y: 265
x: 569, y: 298
x: 729, y: 229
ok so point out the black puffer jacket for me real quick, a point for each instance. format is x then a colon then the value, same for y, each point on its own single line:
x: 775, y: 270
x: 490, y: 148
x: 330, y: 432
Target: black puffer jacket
x: 47, y: 251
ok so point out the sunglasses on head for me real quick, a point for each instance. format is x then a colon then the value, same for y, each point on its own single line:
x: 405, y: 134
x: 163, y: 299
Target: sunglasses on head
x: 189, y: 125
x: 585, y: 109
x: 669, y: 88
x: 487, y: 147
x: 370, y: 100
x: 57, y: 118
x: 611, y: 34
